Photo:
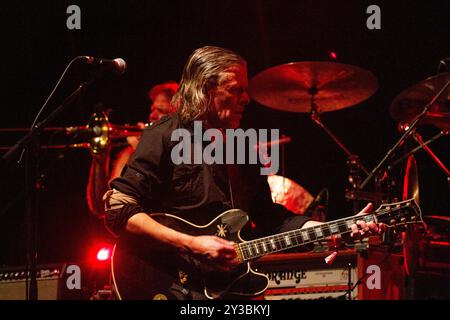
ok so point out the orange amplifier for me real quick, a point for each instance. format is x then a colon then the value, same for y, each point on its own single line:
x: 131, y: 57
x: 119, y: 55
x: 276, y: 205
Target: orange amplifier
x: 308, y: 276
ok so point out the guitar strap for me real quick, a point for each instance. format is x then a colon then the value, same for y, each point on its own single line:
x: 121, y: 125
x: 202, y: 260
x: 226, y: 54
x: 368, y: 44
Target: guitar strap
x: 231, y: 173
x: 237, y: 187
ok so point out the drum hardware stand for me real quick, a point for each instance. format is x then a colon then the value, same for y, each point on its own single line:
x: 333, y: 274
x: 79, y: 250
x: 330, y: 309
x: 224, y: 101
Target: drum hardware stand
x: 353, y: 162
x: 29, y: 147
x: 420, y: 147
x: 424, y: 145
x: 433, y: 156
x: 350, y: 288
x: 407, y: 132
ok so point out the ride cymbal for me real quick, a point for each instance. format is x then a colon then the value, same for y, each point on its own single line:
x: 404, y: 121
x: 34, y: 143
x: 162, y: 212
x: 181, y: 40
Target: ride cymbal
x: 294, y: 86
x: 413, y: 100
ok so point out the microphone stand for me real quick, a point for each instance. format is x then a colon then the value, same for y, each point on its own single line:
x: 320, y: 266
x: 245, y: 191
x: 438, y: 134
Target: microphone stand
x: 30, y: 147
x: 38, y: 128
x: 405, y: 135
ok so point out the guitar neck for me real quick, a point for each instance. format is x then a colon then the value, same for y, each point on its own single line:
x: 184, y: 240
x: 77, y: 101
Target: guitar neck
x: 254, y: 249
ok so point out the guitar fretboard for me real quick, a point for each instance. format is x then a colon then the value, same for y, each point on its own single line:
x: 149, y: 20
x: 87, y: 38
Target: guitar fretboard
x: 254, y: 249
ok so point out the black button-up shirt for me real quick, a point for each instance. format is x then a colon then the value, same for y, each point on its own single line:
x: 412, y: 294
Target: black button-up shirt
x: 195, y: 192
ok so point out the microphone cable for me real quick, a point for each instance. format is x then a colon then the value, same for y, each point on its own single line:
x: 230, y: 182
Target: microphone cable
x: 49, y: 97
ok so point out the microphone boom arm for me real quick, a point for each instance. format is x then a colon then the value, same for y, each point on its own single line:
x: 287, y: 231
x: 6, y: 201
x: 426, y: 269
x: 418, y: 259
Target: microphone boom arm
x: 38, y: 128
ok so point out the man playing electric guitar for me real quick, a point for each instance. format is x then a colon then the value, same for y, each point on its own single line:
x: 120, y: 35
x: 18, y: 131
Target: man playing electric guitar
x: 213, y: 90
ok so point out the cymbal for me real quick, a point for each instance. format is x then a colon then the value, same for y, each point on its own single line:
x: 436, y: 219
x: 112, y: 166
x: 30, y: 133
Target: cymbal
x: 411, y: 236
x: 411, y: 180
x: 438, y: 119
x: 412, y: 101
x: 289, y: 194
x: 291, y: 86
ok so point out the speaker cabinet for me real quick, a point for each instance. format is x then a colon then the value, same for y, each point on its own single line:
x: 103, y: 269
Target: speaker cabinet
x: 54, y: 283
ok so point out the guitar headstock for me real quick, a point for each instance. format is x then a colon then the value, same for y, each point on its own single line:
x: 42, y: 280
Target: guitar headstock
x: 399, y: 213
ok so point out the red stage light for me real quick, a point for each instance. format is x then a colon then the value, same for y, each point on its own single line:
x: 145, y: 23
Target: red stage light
x: 333, y: 55
x: 104, y: 254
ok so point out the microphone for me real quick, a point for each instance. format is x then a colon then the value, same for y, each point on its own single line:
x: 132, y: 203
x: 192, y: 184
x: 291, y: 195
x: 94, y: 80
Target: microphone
x: 118, y: 65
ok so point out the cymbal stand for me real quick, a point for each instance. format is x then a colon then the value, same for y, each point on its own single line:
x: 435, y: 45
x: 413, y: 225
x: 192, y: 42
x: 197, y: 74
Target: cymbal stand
x: 405, y: 135
x: 354, y: 164
x: 433, y: 156
x: 420, y: 147
x: 423, y: 145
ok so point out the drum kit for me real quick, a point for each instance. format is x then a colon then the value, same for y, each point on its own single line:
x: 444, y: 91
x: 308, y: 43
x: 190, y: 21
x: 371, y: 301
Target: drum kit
x: 309, y: 87
x: 314, y: 88
x: 317, y: 87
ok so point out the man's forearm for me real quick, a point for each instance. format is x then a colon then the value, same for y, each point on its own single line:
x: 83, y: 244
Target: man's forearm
x: 142, y: 224
x: 124, y: 214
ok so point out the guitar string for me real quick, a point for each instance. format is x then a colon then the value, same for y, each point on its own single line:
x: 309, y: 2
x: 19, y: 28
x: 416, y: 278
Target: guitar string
x: 338, y: 223
x: 247, y: 247
x: 280, y: 243
x: 283, y: 235
x: 281, y: 238
x: 278, y: 239
x: 250, y: 256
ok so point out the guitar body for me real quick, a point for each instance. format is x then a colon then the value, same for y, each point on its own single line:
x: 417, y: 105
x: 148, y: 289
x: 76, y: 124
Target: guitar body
x: 142, y: 270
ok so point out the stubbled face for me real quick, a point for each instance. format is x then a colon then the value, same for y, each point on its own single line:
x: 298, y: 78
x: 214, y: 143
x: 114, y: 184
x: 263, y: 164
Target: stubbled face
x: 229, y: 98
x: 160, y: 107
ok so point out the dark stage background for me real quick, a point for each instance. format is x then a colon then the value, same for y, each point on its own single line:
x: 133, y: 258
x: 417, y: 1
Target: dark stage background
x: 155, y: 38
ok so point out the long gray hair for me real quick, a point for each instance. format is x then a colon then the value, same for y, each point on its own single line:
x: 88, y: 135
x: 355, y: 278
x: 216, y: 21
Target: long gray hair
x: 200, y: 74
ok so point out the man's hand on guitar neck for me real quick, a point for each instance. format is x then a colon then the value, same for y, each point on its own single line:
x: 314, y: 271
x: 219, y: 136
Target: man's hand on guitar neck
x: 362, y: 229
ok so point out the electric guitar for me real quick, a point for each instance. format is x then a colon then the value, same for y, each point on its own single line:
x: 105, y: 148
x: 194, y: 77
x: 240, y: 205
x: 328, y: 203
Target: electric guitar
x: 142, y: 270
